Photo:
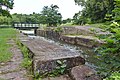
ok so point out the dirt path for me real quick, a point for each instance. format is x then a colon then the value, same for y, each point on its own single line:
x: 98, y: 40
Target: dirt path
x: 12, y: 69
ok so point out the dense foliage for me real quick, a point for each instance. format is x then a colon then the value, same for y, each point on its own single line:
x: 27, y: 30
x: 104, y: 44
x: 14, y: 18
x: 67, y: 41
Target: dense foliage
x: 8, y: 4
x: 80, y: 20
x: 21, y: 18
x: 95, y: 10
x: 51, y: 16
x: 5, y: 20
x: 114, y: 76
x: 109, y: 53
x: 116, y: 10
x: 26, y: 18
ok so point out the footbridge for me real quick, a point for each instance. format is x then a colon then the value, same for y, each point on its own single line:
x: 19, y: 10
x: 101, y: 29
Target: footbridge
x: 26, y: 26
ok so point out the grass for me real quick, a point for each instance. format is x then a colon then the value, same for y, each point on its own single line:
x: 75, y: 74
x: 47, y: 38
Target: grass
x: 99, y: 25
x: 2, y: 79
x: 27, y: 61
x: 68, y: 25
x: 5, y: 35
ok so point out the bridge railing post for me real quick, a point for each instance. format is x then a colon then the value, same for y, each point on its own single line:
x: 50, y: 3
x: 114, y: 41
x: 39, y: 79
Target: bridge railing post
x: 35, y: 31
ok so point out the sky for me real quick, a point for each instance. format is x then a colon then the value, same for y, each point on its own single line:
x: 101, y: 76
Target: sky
x: 66, y: 7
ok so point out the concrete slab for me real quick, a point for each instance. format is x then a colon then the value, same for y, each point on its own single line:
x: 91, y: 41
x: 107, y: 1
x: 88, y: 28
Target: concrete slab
x: 87, y: 41
x: 47, y: 54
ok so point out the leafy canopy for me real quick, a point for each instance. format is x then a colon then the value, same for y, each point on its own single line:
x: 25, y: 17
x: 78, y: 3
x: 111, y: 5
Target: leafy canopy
x: 51, y: 16
x: 8, y: 4
x: 96, y: 10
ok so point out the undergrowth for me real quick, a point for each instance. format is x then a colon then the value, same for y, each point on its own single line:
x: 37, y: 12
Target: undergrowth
x: 27, y: 62
x: 109, y: 54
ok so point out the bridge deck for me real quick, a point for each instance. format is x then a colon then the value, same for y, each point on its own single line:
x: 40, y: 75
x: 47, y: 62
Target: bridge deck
x: 26, y: 26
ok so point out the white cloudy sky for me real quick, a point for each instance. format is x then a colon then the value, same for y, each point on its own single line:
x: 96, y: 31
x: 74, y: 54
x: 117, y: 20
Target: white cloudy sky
x: 66, y: 7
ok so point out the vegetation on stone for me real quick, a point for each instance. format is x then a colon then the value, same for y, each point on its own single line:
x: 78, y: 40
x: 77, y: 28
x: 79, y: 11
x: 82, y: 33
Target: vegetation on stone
x: 27, y: 62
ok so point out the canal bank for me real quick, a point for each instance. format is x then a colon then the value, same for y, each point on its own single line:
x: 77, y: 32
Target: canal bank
x: 55, y: 50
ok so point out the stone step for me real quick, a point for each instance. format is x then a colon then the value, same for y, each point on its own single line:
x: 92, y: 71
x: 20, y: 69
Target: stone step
x: 47, y: 55
x: 84, y: 30
x: 87, y: 41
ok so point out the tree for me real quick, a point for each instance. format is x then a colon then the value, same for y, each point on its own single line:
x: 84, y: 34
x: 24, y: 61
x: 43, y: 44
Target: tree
x: 116, y: 11
x: 96, y: 10
x: 5, y: 20
x: 8, y: 4
x: 51, y: 15
x: 25, y: 18
x: 80, y: 2
x: 78, y: 19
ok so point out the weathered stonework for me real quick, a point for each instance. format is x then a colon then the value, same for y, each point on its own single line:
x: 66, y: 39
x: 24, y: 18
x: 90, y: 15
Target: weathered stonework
x: 83, y: 72
x: 43, y: 66
x: 48, y: 33
x: 87, y: 41
x: 46, y: 55
x: 79, y: 35
x: 84, y: 30
x: 78, y: 30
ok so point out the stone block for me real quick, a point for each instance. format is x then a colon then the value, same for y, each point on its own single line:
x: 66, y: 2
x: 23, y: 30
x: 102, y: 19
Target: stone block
x: 50, y: 64
x: 46, y: 55
x: 87, y: 41
x: 83, y: 73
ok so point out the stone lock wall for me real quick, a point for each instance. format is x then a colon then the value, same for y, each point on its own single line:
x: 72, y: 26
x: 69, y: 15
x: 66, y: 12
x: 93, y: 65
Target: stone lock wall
x: 77, y: 31
x: 48, y: 33
x: 78, y: 40
x: 72, y: 35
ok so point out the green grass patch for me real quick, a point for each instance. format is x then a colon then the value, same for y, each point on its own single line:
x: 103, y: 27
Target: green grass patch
x: 5, y: 35
x: 2, y: 79
x: 68, y: 25
x: 27, y: 61
x: 99, y: 25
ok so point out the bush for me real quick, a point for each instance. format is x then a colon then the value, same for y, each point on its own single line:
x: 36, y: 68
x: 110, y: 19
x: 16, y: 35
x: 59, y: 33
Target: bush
x: 114, y: 76
x: 109, y: 54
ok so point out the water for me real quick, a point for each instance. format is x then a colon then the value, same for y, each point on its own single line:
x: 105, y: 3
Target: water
x: 28, y: 32
x: 87, y: 53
